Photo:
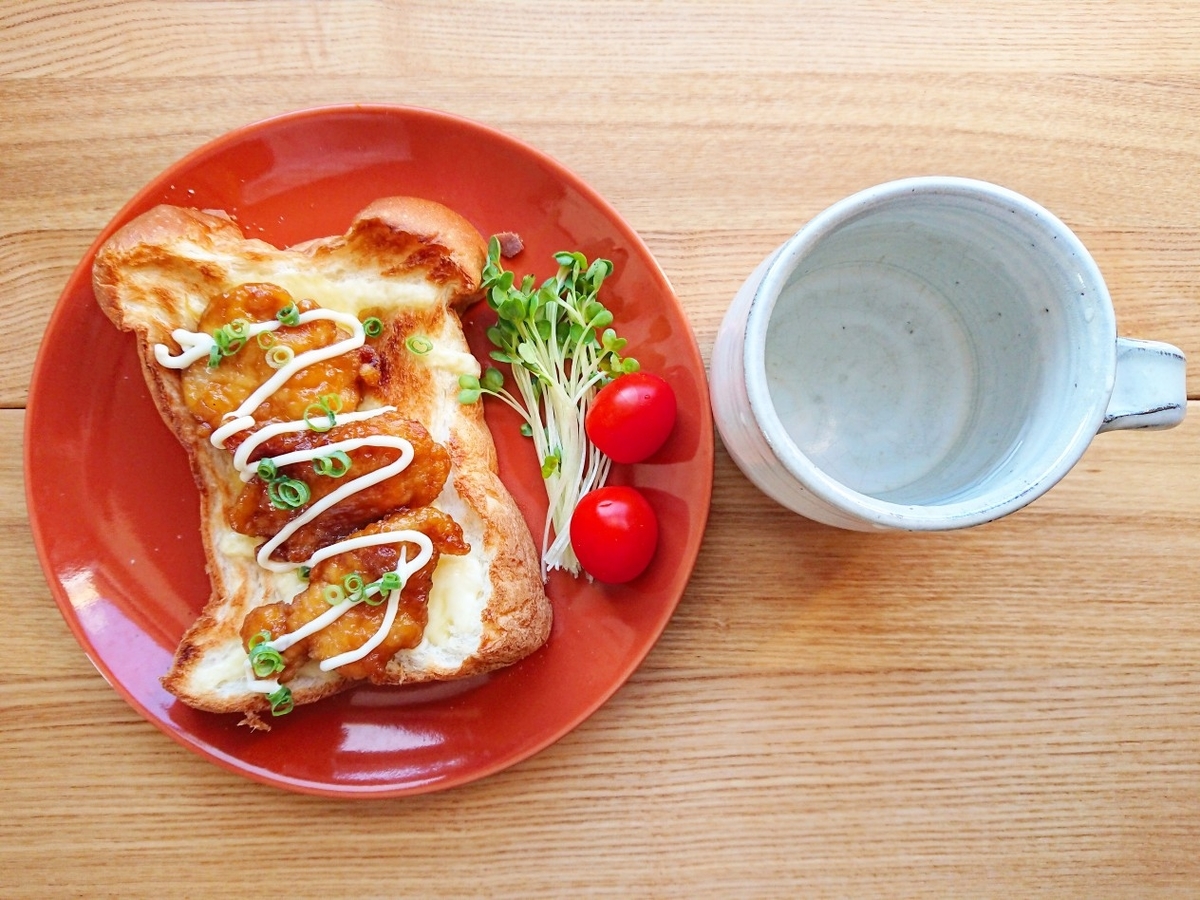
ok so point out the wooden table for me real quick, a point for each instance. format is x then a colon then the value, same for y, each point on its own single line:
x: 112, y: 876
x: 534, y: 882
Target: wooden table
x: 1010, y: 711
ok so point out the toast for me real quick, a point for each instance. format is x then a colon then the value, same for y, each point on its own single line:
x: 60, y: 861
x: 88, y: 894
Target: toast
x: 353, y: 521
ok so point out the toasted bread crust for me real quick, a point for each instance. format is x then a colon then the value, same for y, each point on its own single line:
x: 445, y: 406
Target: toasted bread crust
x: 158, y: 272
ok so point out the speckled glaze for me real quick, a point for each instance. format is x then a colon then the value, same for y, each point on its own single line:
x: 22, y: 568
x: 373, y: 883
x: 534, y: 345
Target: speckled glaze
x: 928, y: 354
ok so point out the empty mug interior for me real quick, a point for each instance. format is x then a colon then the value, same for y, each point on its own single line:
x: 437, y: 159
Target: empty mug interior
x: 940, y: 348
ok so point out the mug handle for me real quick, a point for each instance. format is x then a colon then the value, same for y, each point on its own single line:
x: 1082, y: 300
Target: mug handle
x: 1150, y: 390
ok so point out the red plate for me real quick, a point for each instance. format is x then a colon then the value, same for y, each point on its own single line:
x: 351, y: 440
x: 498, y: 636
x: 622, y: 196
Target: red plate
x: 115, y: 515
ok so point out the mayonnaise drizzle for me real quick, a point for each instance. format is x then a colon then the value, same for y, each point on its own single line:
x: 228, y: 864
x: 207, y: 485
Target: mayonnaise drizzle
x: 242, y: 457
x: 197, y: 346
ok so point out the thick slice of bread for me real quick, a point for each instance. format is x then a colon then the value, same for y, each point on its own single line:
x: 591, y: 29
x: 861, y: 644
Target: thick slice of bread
x: 413, y: 264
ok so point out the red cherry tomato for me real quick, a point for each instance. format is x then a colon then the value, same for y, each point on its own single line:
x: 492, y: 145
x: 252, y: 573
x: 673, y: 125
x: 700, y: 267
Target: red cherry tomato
x: 631, y: 417
x: 614, y: 533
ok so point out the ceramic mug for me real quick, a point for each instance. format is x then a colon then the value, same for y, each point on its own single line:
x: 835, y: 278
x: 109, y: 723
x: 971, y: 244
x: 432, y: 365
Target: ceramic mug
x: 927, y: 354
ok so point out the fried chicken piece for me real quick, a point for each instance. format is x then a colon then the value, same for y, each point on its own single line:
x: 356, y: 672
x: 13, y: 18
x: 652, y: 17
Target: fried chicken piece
x: 417, y: 485
x: 358, y: 624
x: 211, y: 392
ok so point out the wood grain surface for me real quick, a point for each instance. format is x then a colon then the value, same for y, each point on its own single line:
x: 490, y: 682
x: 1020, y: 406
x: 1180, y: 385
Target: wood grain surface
x: 1009, y: 711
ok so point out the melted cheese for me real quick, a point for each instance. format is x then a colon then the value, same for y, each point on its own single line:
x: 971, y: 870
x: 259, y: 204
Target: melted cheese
x: 351, y: 294
x: 444, y: 356
x: 283, y: 585
x: 343, y: 290
x: 456, y: 600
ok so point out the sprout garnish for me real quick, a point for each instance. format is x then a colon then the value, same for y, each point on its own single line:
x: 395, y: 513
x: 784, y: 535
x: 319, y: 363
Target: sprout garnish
x: 557, y: 340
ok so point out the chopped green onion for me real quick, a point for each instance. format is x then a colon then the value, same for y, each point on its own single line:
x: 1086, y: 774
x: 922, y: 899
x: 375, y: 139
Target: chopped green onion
x: 265, y: 660
x: 354, y: 585
x: 334, y: 594
x: 288, y: 493
x: 419, y: 345
x: 316, y: 424
x: 289, y: 315
x: 279, y: 356
x: 335, y: 465
x: 373, y: 326
x: 266, y: 339
x: 227, y: 340
x: 281, y: 701
x: 330, y: 405
x: 377, y: 591
x: 259, y: 638
x: 284, y: 492
x: 304, y: 572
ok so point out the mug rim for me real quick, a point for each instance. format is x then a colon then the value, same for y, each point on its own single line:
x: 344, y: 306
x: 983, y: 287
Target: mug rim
x: 884, y: 513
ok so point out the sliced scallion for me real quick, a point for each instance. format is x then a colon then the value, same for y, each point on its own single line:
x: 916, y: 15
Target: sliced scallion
x: 335, y: 465
x: 257, y: 639
x: 289, y: 315
x: 227, y: 340
x: 281, y: 701
x: 279, y: 356
x: 288, y: 493
x: 354, y: 586
x: 265, y: 660
x: 329, y: 405
x: 266, y: 470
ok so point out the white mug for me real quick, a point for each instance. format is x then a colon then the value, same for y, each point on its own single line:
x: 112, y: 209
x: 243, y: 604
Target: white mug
x: 928, y: 354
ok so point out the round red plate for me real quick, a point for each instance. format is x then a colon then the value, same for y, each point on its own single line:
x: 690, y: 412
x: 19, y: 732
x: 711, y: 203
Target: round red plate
x: 115, y: 515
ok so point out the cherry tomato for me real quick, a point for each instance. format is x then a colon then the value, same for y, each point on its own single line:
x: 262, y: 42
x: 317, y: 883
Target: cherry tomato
x: 631, y: 417
x: 614, y: 533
